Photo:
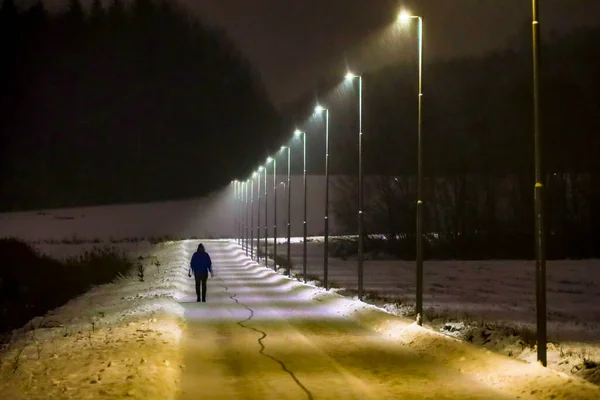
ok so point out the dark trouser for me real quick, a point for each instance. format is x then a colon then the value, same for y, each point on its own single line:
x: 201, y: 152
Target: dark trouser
x: 201, y: 278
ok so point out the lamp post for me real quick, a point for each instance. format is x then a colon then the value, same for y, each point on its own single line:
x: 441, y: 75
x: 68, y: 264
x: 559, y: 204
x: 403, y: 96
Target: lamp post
x: 282, y: 183
x: 235, y: 210
x: 285, y: 197
x: 274, y: 214
x: 361, y: 229
x: 319, y: 110
x: 405, y: 18
x: 233, y: 234
x: 289, y: 206
x: 269, y: 159
x: 246, y: 184
x: 254, y: 175
x: 258, y: 216
x: 304, y: 225
x: 540, y: 256
x: 239, y: 212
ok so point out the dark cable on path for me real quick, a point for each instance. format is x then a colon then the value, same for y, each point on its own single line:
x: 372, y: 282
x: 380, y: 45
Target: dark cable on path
x: 260, y: 341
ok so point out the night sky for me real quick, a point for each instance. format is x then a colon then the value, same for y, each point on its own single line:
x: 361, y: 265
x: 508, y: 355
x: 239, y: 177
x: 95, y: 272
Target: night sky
x: 294, y: 43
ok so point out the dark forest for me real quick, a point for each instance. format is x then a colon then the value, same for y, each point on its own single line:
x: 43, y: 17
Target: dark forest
x: 132, y: 102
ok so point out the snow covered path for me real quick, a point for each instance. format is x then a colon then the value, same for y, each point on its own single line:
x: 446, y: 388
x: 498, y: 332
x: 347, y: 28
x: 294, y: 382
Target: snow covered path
x: 261, y: 336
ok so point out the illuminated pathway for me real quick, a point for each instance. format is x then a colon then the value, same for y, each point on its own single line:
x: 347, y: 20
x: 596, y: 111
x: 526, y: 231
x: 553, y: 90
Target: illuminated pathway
x: 260, y: 336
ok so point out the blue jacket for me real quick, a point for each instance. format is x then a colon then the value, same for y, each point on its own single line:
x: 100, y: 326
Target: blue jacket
x: 201, y: 263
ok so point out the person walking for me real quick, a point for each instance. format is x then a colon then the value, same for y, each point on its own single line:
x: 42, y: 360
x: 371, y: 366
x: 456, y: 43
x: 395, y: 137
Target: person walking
x: 201, y: 264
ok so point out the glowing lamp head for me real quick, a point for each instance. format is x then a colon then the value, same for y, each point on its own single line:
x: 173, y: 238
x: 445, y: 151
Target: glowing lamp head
x: 319, y: 109
x: 269, y: 160
x: 297, y: 132
x: 254, y: 174
x: 283, y: 148
x: 350, y: 76
x: 260, y: 168
x: 404, y: 17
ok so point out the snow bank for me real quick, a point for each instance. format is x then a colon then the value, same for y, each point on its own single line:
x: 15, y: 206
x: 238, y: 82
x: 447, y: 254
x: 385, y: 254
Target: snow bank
x: 117, y: 340
x: 517, y: 377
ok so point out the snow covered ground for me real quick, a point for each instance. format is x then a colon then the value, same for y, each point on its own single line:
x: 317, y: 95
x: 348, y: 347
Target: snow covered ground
x: 316, y: 344
x: 118, y: 340
x: 134, y: 339
x: 481, y: 298
x: 208, y: 217
x: 491, y: 290
x: 211, y: 216
x: 490, y: 303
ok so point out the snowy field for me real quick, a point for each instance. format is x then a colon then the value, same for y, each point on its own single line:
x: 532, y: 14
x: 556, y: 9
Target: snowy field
x: 208, y: 217
x: 490, y: 290
x: 211, y: 216
x: 489, y: 303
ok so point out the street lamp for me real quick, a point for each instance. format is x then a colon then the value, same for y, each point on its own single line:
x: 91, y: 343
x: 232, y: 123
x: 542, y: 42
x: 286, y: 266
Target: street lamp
x: 274, y: 161
x: 234, y: 206
x: 269, y: 159
x: 361, y: 230
x: 284, y: 184
x: 260, y: 169
x: 318, y: 110
x: 298, y: 132
x: 254, y: 175
x: 246, y: 184
x: 234, y: 203
x: 540, y: 256
x: 239, y: 212
x: 234, y: 214
x: 289, y: 205
x: 405, y: 18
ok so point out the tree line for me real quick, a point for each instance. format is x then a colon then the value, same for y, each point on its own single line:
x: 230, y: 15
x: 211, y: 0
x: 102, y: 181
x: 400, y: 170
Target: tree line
x: 128, y: 101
